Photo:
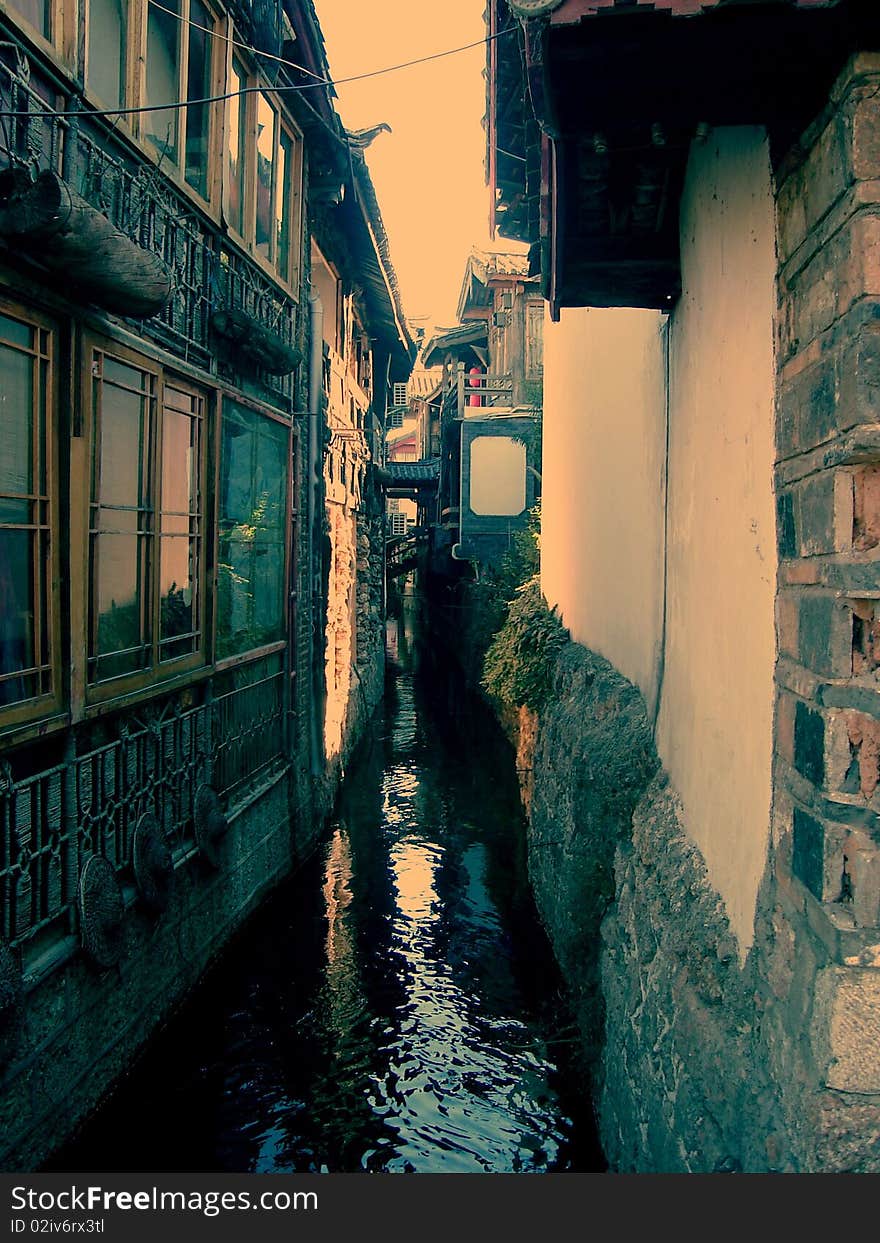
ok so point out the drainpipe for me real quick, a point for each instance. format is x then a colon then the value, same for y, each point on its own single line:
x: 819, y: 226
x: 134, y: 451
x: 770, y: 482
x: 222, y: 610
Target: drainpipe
x: 316, y: 401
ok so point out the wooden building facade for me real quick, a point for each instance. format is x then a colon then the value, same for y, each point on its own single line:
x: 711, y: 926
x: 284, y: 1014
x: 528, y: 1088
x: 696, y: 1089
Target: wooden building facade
x: 163, y: 395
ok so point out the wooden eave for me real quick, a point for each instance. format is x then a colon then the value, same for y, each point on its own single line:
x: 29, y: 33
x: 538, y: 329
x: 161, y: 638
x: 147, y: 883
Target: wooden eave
x: 623, y: 96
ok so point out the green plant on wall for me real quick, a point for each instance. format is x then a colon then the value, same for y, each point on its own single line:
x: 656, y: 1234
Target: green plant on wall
x: 490, y: 596
x: 521, y: 660
x: 533, y: 394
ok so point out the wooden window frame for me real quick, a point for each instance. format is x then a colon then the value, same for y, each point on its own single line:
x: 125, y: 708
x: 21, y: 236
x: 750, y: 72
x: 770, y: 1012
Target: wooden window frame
x: 255, y: 86
x: 277, y: 645
x: 158, y: 671
x: 132, y: 44
x: 135, y: 94
x: 49, y: 703
x: 62, y: 38
x: 217, y: 76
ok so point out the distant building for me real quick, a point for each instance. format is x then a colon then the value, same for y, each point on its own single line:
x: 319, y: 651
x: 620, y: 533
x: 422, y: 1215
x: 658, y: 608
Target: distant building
x: 489, y: 408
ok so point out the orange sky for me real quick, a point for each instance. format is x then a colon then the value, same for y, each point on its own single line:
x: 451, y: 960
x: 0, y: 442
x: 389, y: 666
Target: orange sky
x: 428, y: 172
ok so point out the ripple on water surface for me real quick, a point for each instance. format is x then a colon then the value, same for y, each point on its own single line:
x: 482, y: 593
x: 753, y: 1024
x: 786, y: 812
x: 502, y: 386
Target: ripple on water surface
x: 393, y: 1008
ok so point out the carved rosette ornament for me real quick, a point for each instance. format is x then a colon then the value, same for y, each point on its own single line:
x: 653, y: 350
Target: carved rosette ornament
x: 101, y: 911
x: 532, y: 8
x: 10, y: 1001
x: 152, y: 863
x: 210, y: 824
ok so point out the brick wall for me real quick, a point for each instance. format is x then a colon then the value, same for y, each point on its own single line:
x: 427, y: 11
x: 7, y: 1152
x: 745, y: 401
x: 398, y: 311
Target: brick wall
x: 828, y: 504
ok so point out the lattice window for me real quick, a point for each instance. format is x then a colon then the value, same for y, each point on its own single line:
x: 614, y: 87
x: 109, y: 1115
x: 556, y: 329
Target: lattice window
x: 146, y: 527
x: 28, y: 608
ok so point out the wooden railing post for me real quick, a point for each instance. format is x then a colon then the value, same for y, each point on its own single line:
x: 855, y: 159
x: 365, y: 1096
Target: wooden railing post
x: 459, y: 383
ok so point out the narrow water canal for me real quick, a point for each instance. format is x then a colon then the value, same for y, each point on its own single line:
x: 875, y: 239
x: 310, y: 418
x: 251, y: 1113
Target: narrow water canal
x: 394, y: 1007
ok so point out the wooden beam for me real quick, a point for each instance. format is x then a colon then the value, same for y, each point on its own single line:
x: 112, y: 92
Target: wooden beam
x: 47, y: 216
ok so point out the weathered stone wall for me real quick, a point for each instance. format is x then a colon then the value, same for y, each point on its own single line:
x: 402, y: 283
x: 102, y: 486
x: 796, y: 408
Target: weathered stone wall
x: 367, y: 644
x: 339, y: 637
x: 355, y: 631
x: 370, y: 603
x: 590, y: 758
x: 684, y: 1085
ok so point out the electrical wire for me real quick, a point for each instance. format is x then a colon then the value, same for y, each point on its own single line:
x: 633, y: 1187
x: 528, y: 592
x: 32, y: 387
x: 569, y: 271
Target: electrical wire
x: 250, y: 90
x: 245, y: 47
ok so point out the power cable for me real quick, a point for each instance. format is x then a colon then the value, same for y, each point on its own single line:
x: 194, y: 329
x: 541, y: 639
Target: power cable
x: 245, y: 47
x: 250, y: 90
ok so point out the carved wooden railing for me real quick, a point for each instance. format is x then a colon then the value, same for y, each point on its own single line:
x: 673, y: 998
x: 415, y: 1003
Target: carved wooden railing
x: 52, y: 133
x: 91, y: 804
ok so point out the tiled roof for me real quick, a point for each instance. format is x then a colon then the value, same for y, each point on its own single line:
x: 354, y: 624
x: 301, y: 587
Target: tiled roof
x: 414, y: 472
x: 447, y: 340
x: 423, y: 381
x: 574, y: 10
x: 499, y: 263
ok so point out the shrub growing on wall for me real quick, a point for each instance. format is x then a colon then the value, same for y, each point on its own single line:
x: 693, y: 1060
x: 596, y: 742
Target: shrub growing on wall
x: 521, y: 659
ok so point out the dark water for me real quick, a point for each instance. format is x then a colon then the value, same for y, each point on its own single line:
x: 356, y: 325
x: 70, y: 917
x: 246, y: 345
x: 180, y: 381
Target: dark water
x: 395, y: 1006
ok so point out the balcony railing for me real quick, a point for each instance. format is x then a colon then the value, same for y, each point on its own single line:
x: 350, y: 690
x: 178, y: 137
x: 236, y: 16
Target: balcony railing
x: 90, y: 804
x: 466, y: 395
x: 208, y: 273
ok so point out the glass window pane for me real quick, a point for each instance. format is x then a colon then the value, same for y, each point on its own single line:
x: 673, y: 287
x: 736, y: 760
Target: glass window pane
x: 498, y: 476
x: 105, y: 53
x: 251, y: 607
x: 177, y: 463
x: 266, y: 123
x: 283, y: 205
x: 180, y: 542
x: 121, y: 517
x: 121, y: 626
x: 25, y: 569
x: 163, y: 78
x: 16, y: 332
x: 198, y: 86
x: 235, y: 150
x: 178, y: 587
x: 116, y: 372
x: 123, y: 434
x: 37, y: 12
x: 118, y: 593
x: 17, y: 629
x: 17, y: 422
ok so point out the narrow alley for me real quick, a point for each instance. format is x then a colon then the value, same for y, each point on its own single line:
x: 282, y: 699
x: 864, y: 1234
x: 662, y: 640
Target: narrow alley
x: 395, y: 1006
x: 439, y: 594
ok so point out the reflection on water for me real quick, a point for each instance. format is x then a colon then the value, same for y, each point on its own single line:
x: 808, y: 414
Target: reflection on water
x: 394, y: 1007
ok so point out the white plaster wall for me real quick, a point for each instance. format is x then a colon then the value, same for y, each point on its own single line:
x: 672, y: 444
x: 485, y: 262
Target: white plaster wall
x: 604, y: 474
x: 602, y: 483
x: 716, y: 716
